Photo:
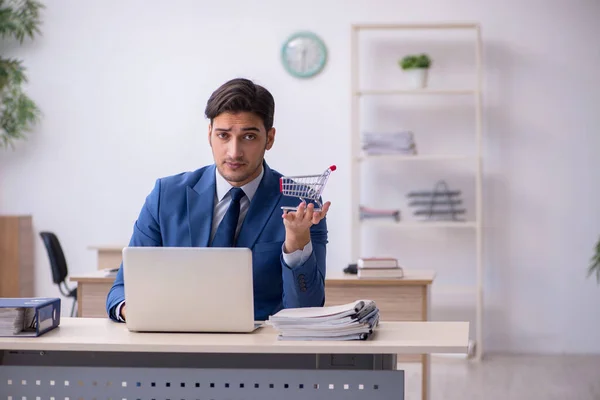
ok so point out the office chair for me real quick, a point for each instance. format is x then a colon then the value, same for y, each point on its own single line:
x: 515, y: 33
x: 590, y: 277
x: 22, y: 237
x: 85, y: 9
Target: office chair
x: 58, y: 265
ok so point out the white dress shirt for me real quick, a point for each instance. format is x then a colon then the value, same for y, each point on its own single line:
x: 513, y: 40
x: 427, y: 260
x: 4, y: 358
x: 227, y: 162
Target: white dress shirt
x: 222, y: 201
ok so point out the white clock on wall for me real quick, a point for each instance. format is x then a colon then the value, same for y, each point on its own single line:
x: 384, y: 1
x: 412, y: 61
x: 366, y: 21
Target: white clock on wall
x: 304, y: 54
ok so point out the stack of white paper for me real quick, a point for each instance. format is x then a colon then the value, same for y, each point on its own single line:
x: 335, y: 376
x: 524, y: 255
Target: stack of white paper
x: 11, y: 321
x: 352, y: 321
x: 402, y: 142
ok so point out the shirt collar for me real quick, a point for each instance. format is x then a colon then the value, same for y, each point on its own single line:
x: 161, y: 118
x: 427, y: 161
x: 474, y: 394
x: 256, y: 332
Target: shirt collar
x: 249, y: 188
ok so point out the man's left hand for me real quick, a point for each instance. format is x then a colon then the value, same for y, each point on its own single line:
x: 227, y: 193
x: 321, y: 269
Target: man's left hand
x: 298, y: 223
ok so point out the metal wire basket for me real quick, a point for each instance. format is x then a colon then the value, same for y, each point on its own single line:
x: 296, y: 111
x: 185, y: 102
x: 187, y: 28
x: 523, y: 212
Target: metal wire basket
x: 305, y: 187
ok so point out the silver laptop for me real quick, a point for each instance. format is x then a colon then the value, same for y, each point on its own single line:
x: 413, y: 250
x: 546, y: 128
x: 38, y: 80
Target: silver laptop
x: 181, y: 289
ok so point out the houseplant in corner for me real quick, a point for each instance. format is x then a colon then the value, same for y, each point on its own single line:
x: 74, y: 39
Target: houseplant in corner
x: 18, y: 113
x: 594, y: 267
x: 417, y: 66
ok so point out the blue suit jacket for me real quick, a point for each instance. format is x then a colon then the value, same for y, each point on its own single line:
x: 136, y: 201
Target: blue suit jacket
x: 179, y: 211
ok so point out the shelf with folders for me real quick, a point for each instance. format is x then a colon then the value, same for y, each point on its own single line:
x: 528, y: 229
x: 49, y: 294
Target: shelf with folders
x: 421, y: 217
x: 402, y: 146
x: 440, y: 207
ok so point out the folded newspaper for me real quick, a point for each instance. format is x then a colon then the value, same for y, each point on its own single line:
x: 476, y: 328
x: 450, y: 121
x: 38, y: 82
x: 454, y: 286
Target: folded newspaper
x: 352, y: 321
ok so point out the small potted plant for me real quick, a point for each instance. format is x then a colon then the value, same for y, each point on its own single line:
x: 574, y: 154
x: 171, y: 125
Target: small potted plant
x: 417, y: 66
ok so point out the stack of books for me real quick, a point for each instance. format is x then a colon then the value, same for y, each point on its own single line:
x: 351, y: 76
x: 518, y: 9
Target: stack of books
x: 379, y: 267
x: 352, y: 321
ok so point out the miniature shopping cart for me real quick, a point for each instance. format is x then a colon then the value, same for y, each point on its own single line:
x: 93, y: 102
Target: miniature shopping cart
x: 305, y: 187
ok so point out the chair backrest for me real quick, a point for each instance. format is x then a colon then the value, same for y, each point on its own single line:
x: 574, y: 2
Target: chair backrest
x: 58, y: 264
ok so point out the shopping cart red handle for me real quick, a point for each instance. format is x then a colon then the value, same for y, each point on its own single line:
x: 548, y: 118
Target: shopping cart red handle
x: 305, y: 187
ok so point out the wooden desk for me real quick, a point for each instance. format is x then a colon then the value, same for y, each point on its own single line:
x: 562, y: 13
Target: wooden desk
x: 93, y: 358
x: 108, y: 257
x: 405, y: 299
x: 92, y: 290
x: 94, y: 334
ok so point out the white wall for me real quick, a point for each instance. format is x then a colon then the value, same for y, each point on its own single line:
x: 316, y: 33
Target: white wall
x: 123, y: 88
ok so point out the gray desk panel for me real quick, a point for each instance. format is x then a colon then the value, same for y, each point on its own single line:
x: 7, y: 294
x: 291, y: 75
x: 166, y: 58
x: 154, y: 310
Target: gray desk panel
x: 30, y: 383
x: 30, y: 375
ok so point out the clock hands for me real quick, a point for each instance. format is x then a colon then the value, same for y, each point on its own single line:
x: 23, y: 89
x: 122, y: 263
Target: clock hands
x: 304, y: 59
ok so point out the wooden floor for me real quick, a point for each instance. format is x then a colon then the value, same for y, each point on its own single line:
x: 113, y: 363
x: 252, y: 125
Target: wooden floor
x: 510, y: 377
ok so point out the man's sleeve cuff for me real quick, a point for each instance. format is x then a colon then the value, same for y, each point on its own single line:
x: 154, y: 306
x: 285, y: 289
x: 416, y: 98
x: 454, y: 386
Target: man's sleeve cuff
x: 118, y: 311
x: 298, y: 257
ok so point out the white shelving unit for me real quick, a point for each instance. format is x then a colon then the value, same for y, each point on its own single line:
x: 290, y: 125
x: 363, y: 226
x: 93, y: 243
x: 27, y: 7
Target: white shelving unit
x: 410, y: 91
x: 358, y: 157
x: 416, y: 157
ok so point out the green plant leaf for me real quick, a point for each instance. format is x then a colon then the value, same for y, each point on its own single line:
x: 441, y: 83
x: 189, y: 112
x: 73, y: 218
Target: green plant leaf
x: 423, y: 61
x: 20, y: 19
x: 18, y: 113
x: 594, y: 267
x: 413, y: 61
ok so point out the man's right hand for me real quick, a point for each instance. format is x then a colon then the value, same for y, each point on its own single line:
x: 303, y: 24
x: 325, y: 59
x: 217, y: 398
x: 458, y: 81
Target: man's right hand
x: 123, y: 312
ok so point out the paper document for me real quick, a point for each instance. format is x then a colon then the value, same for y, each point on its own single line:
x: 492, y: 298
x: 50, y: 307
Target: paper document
x: 15, y: 320
x: 352, y: 321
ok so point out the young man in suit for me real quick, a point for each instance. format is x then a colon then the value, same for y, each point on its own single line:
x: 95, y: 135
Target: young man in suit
x: 236, y: 202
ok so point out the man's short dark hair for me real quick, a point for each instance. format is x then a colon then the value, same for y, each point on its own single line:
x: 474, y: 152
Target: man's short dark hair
x: 241, y: 95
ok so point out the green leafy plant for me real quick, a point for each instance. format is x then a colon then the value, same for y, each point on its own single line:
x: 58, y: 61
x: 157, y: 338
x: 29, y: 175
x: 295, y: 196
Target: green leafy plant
x: 414, y: 61
x: 18, y: 113
x: 594, y: 267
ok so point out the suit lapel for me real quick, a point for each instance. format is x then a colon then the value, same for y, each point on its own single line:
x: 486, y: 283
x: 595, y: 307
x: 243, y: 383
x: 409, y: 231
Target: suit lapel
x: 200, y: 202
x: 261, y: 208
